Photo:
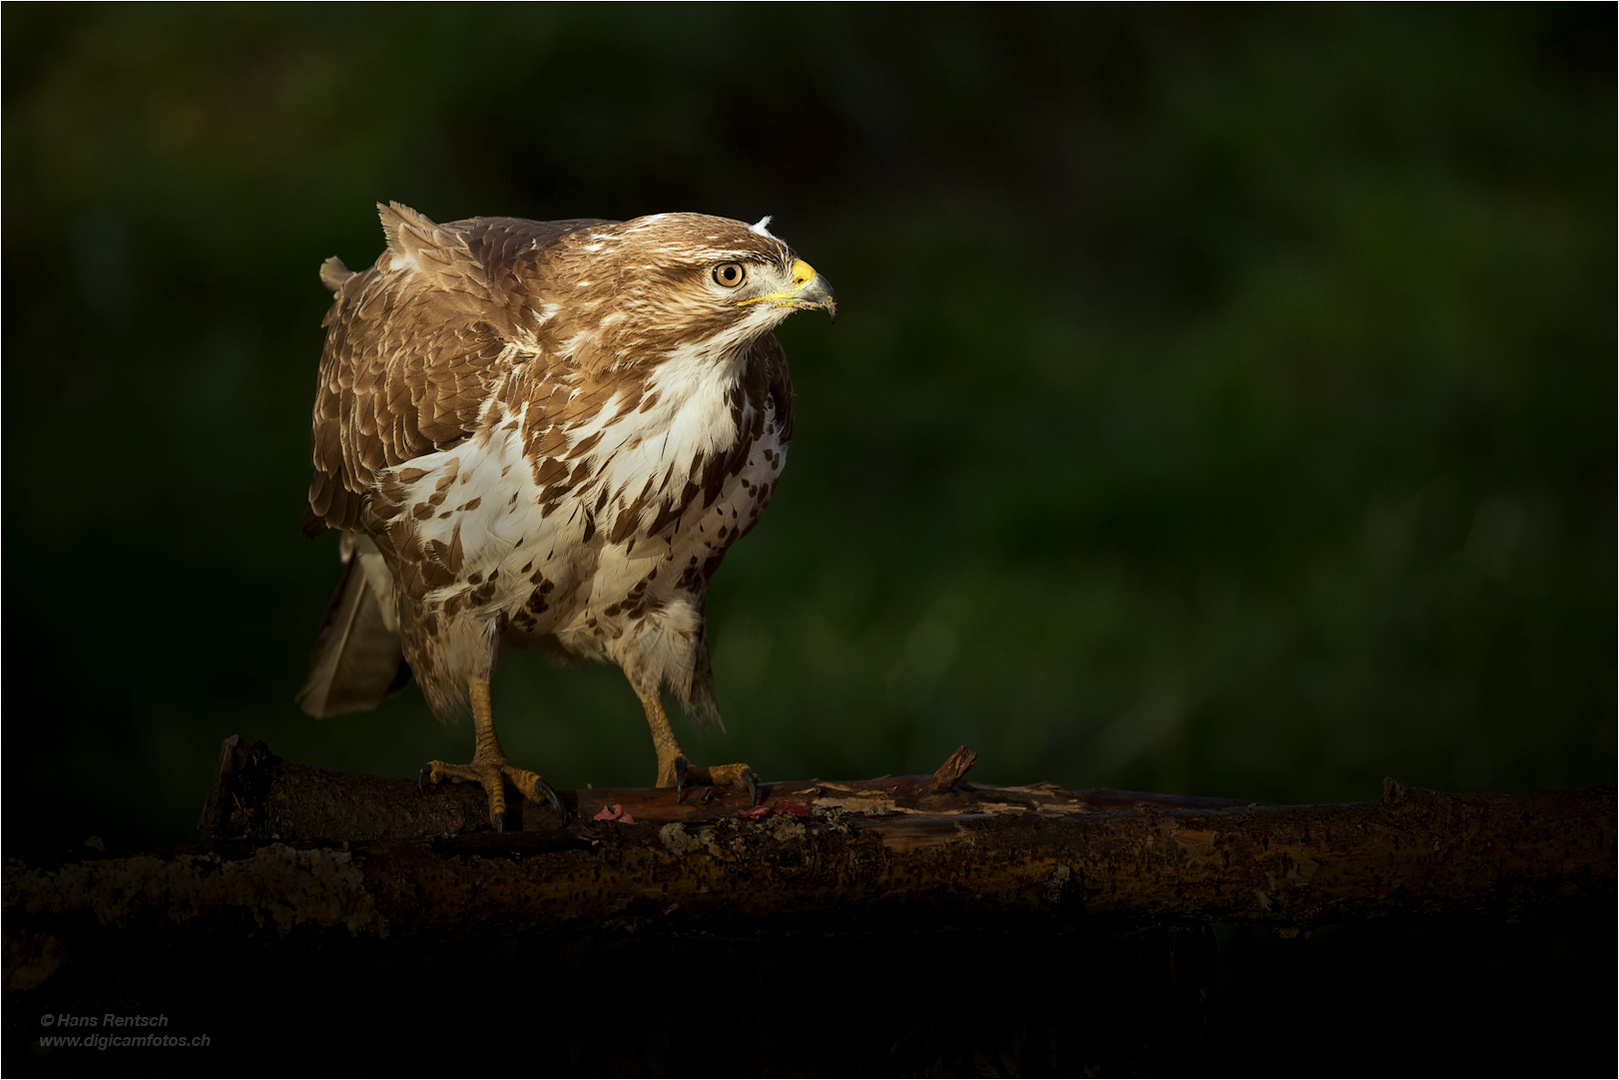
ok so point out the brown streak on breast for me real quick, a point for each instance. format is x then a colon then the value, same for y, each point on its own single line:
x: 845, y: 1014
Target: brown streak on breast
x: 585, y: 445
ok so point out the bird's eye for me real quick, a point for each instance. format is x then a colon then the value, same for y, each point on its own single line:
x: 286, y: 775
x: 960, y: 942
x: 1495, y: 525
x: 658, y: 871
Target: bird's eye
x: 729, y: 275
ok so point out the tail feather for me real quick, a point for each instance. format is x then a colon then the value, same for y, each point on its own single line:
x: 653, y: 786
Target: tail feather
x: 357, y: 659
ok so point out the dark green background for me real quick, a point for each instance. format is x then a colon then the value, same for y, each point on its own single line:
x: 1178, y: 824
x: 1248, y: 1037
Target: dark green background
x: 1222, y: 400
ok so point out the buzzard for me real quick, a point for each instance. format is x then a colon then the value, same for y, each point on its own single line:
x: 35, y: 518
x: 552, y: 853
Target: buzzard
x: 545, y: 434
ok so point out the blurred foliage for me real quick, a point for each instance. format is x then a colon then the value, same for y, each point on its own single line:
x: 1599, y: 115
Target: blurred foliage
x: 1223, y: 401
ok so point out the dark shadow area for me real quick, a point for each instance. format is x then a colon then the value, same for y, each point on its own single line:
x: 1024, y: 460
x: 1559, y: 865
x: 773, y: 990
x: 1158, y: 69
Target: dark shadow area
x: 1470, y: 996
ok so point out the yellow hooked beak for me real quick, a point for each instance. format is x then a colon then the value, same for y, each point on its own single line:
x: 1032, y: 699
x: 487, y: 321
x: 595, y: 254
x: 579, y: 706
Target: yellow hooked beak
x: 808, y: 291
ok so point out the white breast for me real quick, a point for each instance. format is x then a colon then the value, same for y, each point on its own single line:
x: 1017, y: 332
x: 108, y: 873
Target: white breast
x: 632, y: 601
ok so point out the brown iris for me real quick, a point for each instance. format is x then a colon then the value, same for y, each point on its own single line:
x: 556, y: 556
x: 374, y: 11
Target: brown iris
x: 729, y: 275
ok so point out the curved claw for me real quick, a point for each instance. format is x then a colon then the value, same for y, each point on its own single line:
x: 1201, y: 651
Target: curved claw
x: 493, y: 774
x: 751, y: 778
x: 681, y: 765
x: 551, y: 796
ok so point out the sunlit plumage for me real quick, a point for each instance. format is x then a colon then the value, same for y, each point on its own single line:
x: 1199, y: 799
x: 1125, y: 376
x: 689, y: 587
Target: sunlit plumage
x: 545, y: 434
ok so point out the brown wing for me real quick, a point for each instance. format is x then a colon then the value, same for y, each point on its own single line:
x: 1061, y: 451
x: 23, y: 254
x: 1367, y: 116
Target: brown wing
x: 415, y: 345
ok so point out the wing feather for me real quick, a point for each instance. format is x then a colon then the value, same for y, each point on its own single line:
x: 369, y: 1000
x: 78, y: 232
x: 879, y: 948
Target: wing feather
x: 417, y: 344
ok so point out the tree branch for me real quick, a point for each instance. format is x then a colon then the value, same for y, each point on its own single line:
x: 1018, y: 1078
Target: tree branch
x: 292, y: 852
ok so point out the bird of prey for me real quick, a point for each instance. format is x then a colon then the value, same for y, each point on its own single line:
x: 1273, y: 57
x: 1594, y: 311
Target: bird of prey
x: 545, y: 434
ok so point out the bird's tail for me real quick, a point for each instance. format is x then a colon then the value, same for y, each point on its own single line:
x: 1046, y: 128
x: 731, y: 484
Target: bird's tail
x: 357, y: 659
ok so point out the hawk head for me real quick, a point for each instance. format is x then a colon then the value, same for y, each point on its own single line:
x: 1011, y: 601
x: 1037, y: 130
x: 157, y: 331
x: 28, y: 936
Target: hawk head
x: 671, y: 284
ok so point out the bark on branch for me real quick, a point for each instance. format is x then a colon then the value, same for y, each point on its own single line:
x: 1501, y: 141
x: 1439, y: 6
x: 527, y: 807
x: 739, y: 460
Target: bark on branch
x: 292, y: 853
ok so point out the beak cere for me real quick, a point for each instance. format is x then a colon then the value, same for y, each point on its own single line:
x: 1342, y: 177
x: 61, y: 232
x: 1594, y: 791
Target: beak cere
x: 811, y: 290
x: 808, y: 291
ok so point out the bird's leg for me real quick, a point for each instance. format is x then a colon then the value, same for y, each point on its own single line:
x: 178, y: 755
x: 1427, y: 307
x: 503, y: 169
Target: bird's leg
x: 676, y: 772
x: 490, y: 766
